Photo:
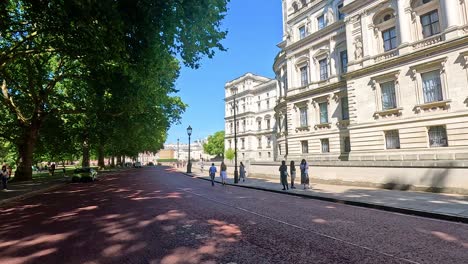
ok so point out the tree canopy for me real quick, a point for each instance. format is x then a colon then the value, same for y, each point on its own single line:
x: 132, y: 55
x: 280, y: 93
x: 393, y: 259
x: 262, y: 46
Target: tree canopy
x: 215, y: 144
x: 97, y: 74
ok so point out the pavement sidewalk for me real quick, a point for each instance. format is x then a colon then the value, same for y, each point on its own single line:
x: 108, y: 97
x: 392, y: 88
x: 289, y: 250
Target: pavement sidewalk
x: 452, y: 207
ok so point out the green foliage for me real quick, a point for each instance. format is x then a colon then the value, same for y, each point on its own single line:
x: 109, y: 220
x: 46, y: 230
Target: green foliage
x: 230, y: 154
x: 215, y: 144
x: 99, y: 73
x: 167, y: 160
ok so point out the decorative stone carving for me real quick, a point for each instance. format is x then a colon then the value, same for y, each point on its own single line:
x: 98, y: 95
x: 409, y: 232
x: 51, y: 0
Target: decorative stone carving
x: 358, y: 49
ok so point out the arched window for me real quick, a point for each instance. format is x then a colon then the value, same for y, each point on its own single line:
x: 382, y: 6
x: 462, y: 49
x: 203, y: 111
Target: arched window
x: 385, y: 29
x: 295, y: 6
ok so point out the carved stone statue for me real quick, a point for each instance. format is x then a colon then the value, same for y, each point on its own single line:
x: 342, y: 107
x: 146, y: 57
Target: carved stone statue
x: 358, y: 48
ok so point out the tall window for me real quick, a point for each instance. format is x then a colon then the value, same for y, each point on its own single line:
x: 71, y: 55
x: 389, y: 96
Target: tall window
x: 321, y: 22
x: 325, y: 145
x: 430, y: 23
x: 304, y: 76
x: 259, y: 124
x: 302, y: 32
x: 389, y: 39
x: 323, y: 69
x: 230, y: 143
x: 303, y: 116
x: 268, y: 123
x: 340, y: 14
x: 323, y: 113
x: 347, y: 144
x: 259, y: 142
x: 437, y: 136
x: 344, y: 108
x: 258, y: 106
x: 231, y: 128
x: 243, y: 125
x: 305, y: 146
x: 242, y: 143
x: 268, y: 104
x: 344, y: 61
x: 268, y: 142
x: 388, y: 95
x: 432, y: 88
x: 392, y: 139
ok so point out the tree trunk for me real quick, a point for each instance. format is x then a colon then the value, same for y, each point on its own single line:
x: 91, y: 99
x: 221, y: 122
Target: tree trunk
x: 101, y: 163
x: 119, y: 160
x: 85, y: 161
x: 26, y: 146
x: 112, y: 161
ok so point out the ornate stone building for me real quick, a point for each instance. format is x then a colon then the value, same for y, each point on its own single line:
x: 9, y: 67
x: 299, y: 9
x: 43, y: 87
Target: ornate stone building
x: 375, y: 84
x: 255, y: 100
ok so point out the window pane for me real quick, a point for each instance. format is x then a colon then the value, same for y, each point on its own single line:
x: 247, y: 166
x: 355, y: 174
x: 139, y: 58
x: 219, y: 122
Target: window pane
x: 347, y: 144
x: 435, y: 28
x: 325, y: 145
x: 432, y: 88
x: 323, y: 69
x: 344, y: 108
x: 388, y: 95
x: 323, y: 113
x: 392, y: 139
x: 438, y: 136
x: 344, y: 61
x: 305, y: 147
x: 303, y: 117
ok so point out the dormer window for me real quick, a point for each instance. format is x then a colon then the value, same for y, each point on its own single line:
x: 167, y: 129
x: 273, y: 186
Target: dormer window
x: 387, y: 17
x: 303, y: 3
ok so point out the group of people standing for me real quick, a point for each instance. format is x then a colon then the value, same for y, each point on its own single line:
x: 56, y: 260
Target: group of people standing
x: 283, y: 169
x: 223, y: 172
x: 5, y: 174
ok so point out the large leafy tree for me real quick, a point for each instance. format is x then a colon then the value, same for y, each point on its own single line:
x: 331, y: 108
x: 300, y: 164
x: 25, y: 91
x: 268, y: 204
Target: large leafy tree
x: 215, y: 144
x: 51, y: 52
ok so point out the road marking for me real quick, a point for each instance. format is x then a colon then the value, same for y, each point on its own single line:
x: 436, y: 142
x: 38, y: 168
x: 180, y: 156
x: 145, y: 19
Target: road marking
x: 188, y: 190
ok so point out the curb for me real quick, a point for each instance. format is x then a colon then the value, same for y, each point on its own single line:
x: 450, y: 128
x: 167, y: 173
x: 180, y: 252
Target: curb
x: 31, y: 194
x: 407, y: 211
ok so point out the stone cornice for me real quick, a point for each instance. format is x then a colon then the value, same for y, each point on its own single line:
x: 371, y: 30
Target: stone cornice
x: 355, y: 5
x: 246, y: 76
x: 410, y: 57
x: 317, y: 90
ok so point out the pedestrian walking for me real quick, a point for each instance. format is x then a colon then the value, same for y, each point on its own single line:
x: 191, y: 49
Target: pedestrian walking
x: 305, y: 174
x: 4, y: 176
x: 283, y: 169
x: 242, y: 171
x: 223, y: 173
x: 292, y: 170
x: 202, y: 166
x: 52, y: 169
x: 212, y: 172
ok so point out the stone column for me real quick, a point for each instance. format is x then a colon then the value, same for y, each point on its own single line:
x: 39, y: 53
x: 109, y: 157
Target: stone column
x: 403, y: 24
x: 451, y: 16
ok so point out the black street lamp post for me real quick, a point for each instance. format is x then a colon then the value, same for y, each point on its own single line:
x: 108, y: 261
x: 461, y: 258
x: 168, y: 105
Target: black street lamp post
x: 236, y: 173
x: 189, y: 163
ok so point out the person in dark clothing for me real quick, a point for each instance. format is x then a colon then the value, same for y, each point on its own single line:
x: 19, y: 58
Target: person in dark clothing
x: 292, y: 170
x: 4, y: 176
x: 212, y: 173
x: 283, y: 169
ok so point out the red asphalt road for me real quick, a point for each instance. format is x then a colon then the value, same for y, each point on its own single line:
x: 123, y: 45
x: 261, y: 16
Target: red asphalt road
x: 155, y: 215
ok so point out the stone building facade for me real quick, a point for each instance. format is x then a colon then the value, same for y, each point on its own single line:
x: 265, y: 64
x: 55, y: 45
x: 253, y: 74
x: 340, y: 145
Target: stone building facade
x: 374, y: 84
x: 255, y: 123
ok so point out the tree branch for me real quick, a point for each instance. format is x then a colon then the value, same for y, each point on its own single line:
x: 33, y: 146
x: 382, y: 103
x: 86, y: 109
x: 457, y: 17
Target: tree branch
x: 11, y: 104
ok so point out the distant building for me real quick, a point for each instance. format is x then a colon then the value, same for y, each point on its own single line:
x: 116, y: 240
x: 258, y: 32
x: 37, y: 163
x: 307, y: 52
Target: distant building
x: 255, y: 118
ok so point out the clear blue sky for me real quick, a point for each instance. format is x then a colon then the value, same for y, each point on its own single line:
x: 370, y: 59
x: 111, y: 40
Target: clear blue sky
x: 254, y: 29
